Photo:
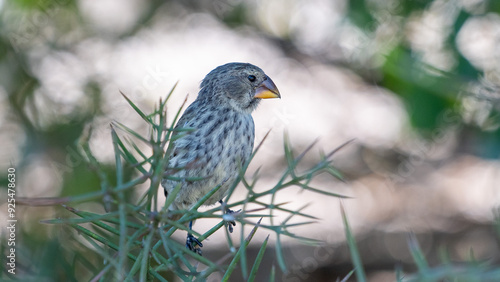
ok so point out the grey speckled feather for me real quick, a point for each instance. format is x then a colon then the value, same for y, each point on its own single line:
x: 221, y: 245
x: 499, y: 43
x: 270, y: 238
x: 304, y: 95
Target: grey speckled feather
x: 223, y: 138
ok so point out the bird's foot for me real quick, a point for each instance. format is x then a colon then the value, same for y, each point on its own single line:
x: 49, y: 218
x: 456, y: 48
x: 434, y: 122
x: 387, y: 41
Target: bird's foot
x: 193, y: 244
x: 228, y: 222
x: 231, y: 223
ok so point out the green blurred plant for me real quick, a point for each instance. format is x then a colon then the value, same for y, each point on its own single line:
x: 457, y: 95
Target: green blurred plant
x: 428, y: 91
x: 134, y: 238
x: 446, y: 270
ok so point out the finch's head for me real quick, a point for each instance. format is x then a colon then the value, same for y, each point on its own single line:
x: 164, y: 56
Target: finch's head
x: 239, y: 85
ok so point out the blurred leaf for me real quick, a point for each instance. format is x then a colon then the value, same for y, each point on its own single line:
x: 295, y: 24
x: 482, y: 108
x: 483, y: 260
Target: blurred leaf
x: 360, y: 15
x: 464, y: 69
x: 258, y: 260
x: 353, y: 248
x: 417, y: 254
x: 426, y: 97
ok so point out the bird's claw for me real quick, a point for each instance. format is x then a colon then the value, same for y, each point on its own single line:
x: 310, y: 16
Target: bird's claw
x: 193, y: 244
x: 231, y: 223
x: 228, y: 223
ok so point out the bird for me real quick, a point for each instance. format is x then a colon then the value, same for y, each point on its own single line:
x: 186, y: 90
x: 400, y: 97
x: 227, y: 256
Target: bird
x: 220, y: 138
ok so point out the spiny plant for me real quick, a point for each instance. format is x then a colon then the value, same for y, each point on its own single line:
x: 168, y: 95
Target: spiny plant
x: 134, y: 238
x: 445, y: 270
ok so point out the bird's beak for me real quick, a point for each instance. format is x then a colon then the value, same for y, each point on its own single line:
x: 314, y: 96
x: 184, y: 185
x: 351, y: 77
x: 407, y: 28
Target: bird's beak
x: 267, y: 89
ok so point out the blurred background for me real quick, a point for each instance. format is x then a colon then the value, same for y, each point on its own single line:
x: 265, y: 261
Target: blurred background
x: 416, y: 83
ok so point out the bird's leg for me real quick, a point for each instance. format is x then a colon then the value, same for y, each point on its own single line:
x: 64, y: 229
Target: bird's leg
x: 229, y: 223
x: 192, y: 243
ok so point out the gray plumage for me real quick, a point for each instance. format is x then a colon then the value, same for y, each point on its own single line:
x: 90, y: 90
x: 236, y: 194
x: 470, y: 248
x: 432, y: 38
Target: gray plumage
x: 223, y: 136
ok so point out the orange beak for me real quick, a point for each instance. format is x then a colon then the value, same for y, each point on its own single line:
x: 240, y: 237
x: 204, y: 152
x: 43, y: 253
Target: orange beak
x: 267, y: 89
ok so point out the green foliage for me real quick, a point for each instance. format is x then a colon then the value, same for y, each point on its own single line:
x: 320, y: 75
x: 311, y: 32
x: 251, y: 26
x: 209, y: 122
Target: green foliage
x: 472, y: 270
x: 133, y: 238
x: 426, y: 96
x: 427, y: 91
x: 351, y: 242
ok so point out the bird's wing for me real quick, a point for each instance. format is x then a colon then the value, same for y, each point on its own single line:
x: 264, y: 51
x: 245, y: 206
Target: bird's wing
x: 183, y: 153
x: 188, y: 115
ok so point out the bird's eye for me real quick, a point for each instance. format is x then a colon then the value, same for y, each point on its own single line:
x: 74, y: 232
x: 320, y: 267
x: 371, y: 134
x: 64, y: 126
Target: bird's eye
x: 252, y: 78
